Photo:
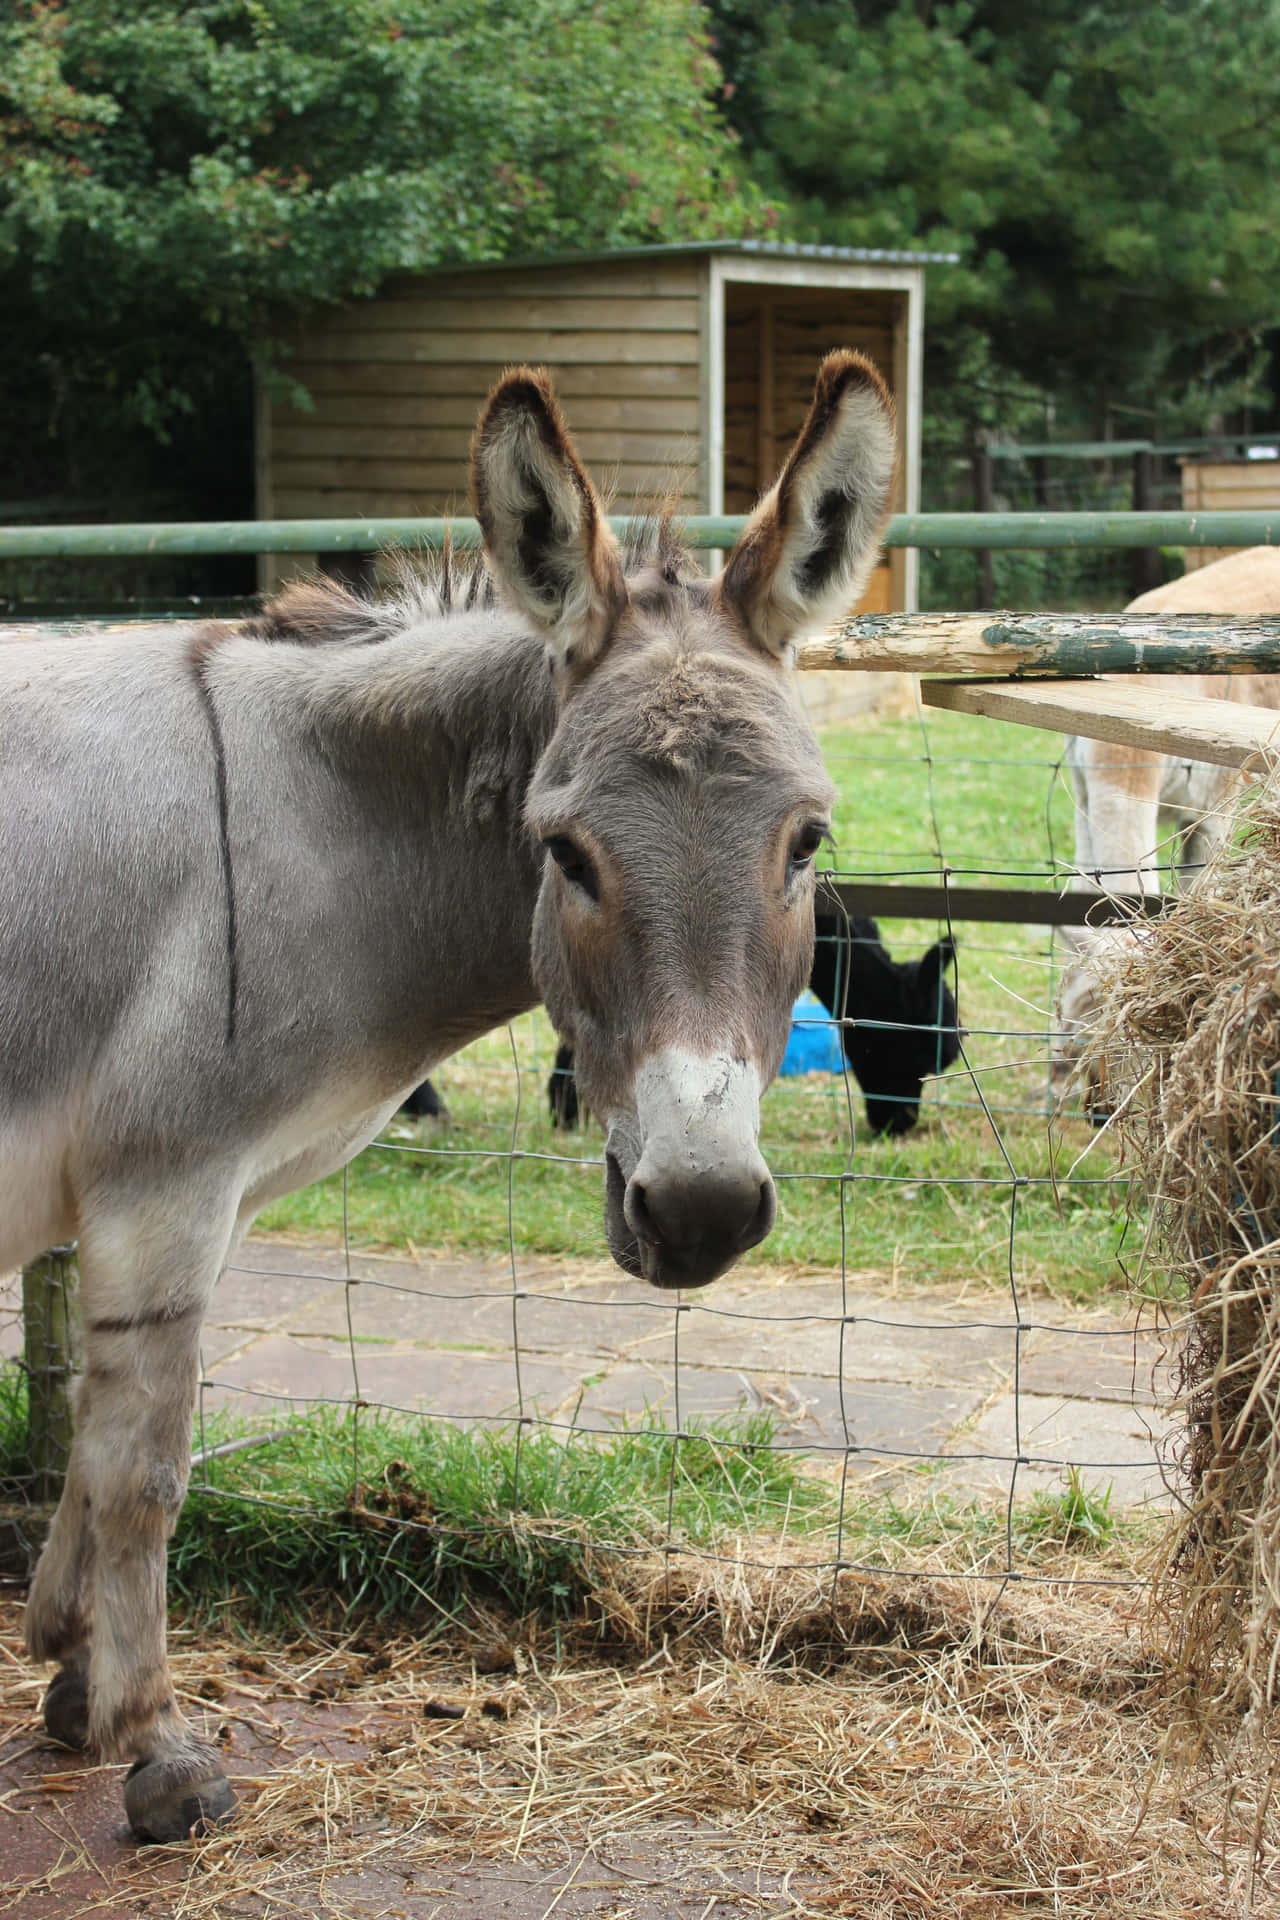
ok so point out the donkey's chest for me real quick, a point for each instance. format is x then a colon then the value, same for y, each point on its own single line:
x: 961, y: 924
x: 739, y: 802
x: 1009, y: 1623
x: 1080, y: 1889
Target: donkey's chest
x: 313, y: 1141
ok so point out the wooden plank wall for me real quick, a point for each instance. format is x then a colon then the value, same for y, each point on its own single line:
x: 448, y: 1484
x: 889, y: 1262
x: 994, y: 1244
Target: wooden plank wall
x: 398, y: 381
x: 1221, y: 486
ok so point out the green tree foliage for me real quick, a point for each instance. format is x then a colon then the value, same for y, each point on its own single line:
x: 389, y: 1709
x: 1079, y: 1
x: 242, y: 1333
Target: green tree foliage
x: 1109, y: 174
x: 169, y: 169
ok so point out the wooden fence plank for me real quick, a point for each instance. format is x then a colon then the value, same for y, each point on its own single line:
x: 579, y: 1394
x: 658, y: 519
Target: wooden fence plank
x: 400, y: 411
x: 995, y: 906
x: 321, y: 440
x: 1066, y: 645
x: 610, y: 379
x: 1149, y: 716
x: 459, y: 348
x: 514, y: 312
x: 632, y: 278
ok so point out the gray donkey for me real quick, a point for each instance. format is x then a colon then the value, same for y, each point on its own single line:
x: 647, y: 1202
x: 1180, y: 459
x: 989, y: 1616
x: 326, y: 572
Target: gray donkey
x: 255, y: 882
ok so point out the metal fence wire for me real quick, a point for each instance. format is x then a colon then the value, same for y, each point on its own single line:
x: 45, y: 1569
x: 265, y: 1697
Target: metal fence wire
x: 939, y: 1334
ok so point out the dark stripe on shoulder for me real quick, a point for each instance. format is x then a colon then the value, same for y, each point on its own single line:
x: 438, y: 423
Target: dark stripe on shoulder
x: 199, y: 653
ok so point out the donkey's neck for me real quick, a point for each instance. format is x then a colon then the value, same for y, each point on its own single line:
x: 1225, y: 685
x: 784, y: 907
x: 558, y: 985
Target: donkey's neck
x: 423, y: 745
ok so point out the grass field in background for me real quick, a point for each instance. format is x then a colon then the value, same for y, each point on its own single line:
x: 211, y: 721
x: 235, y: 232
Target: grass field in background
x: 936, y: 1206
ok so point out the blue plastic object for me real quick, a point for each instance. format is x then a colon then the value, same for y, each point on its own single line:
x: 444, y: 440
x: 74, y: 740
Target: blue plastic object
x: 814, y: 1046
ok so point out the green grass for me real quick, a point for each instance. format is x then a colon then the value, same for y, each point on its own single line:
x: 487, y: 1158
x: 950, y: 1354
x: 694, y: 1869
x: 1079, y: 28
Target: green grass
x: 14, y: 1464
x: 933, y: 1208
x: 365, y: 1513
x: 1078, y: 1516
x: 923, y: 1526
x: 380, y: 1513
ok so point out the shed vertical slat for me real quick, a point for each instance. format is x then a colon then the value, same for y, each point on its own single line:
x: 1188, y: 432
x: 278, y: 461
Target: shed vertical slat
x: 766, y: 430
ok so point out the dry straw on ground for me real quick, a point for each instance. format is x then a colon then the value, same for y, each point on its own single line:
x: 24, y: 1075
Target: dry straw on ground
x: 1188, y: 1045
x: 891, y: 1751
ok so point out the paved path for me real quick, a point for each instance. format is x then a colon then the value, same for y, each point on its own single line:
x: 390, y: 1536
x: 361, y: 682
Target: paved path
x: 914, y: 1380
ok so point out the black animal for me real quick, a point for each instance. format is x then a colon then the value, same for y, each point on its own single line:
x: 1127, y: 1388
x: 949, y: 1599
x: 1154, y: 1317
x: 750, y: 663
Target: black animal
x: 426, y: 1103
x: 901, y: 1020
x: 562, y: 1089
x: 902, y: 1023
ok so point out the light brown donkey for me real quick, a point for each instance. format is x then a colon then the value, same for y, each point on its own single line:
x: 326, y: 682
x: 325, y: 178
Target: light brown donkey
x: 255, y: 883
x: 1120, y: 792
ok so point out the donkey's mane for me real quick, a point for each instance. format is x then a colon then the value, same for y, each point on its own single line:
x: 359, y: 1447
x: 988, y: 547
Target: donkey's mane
x: 427, y: 587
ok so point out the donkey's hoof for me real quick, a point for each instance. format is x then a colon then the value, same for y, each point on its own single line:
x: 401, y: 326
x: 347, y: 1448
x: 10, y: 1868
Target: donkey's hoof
x: 173, y: 1799
x: 66, y: 1706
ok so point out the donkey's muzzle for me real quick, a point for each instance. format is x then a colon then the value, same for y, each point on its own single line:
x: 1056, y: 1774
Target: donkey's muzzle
x: 686, y: 1191
x: 689, y: 1229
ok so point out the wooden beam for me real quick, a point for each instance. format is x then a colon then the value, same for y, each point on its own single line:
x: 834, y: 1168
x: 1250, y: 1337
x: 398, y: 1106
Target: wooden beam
x: 1190, y: 726
x: 1005, y: 906
x: 1062, y: 644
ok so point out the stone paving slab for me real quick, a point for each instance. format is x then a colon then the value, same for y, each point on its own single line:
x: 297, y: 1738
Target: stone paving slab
x: 1114, y: 1448
x: 457, y: 1386
x: 1106, y: 1364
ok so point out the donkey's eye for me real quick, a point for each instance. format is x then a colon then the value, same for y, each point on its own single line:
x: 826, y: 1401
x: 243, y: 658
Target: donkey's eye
x: 573, y: 864
x: 806, y: 844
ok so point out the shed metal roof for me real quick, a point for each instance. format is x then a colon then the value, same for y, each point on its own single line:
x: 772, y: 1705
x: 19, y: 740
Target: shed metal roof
x: 768, y: 249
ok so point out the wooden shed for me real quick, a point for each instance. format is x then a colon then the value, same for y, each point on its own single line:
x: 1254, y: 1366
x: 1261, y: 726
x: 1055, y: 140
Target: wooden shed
x: 1246, y: 484
x: 685, y: 368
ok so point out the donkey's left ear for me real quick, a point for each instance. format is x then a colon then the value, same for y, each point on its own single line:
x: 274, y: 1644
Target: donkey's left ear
x: 549, y: 543
x: 809, y: 547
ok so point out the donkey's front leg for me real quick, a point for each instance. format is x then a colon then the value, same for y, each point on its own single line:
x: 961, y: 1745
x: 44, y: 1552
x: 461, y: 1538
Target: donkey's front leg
x: 132, y: 1460
x: 57, y: 1620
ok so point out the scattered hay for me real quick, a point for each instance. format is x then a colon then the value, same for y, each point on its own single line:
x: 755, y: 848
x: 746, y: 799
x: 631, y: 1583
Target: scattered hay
x: 874, y: 1753
x: 1189, y: 1036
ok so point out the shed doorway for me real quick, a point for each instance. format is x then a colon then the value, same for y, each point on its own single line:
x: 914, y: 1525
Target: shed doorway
x: 774, y: 338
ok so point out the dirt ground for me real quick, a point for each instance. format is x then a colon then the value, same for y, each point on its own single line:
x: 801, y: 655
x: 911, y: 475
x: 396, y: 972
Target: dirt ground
x: 698, y: 1747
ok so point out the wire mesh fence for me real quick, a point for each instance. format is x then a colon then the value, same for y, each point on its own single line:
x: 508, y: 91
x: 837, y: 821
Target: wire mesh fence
x: 937, y: 1341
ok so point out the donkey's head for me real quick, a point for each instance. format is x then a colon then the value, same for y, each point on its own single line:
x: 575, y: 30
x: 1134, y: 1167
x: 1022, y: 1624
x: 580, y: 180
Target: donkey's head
x: 681, y: 800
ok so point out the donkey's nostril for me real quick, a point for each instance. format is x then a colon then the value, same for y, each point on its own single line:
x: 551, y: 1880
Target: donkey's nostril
x: 635, y: 1208
x: 766, y: 1213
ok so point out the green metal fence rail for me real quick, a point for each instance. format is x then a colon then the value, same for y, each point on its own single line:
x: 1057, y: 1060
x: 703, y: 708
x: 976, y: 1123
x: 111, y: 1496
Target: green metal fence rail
x: 957, y: 530
x: 1225, y: 444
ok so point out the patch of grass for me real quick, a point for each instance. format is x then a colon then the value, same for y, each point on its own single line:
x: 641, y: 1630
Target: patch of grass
x: 922, y: 1523
x: 1077, y: 1516
x: 375, y: 1514
x: 381, y: 1514
x: 14, y: 1464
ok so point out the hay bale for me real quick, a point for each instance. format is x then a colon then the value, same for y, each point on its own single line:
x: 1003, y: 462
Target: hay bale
x: 1187, y: 1041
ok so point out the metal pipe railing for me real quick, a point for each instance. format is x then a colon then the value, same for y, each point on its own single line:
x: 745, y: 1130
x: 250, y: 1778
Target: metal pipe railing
x: 1045, y: 531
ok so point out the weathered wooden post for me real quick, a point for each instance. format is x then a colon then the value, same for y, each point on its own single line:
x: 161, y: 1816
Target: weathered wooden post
x: 983, y: 502
x: 1145, y: 572
x: 52, y: 1346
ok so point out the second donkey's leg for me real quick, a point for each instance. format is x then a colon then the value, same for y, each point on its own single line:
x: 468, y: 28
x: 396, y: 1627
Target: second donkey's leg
x: 145, y: 1286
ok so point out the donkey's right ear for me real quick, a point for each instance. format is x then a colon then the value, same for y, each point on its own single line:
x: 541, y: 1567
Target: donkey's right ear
x: 807, y: 550
x: 548, y: 541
